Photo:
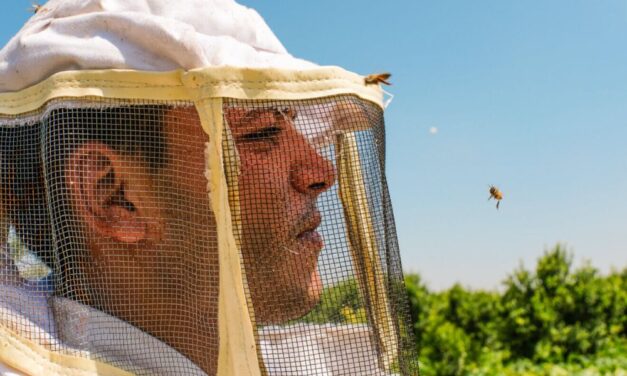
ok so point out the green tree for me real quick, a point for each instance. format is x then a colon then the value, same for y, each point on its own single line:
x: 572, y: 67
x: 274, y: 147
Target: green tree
x: 557, y: 313
x: 548, y: 321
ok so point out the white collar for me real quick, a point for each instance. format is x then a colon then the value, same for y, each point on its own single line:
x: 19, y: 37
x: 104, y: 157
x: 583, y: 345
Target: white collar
x: 57, y: 322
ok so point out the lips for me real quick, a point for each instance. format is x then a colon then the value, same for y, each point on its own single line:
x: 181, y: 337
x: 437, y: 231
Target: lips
x: 308, y: 233
x: 310, y: 236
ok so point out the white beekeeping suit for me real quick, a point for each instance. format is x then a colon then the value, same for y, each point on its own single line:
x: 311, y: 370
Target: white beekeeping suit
x: 181, y: 196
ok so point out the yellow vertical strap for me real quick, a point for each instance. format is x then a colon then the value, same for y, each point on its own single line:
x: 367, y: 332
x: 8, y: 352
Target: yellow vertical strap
x: 238, y: 353
x: 232, y: 168
x: 364, y: 250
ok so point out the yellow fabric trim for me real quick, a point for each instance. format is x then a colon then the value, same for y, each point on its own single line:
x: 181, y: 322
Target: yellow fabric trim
x: 280, y: 84
x: 238, y: 353
x: 32, y: 359
x: 232, y: 169
x: 363, y: 245
x: 214, y: 82
x: 119, y: 84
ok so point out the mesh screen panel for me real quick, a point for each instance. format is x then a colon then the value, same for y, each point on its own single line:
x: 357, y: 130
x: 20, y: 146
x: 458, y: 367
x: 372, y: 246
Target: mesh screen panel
x: 112, y: 199
x: 110, y: 248
x: 317, y: 237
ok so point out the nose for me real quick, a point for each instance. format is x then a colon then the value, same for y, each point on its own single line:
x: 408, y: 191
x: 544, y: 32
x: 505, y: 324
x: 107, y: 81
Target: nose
x: 312, y: 174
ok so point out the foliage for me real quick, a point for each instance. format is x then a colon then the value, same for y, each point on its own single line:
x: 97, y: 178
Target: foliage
x: 551, y: 321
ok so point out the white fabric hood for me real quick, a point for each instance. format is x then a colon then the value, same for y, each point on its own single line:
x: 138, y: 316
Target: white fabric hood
x: 149, y: 35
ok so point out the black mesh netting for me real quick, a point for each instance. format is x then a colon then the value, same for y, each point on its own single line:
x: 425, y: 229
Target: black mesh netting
x: 110, y: 249
x: 327, y: 293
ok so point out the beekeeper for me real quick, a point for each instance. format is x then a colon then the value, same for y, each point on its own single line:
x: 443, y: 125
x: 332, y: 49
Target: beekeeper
x: 169, y: 199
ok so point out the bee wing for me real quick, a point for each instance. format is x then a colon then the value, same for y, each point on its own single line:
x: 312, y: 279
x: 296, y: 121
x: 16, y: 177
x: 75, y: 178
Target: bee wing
x: 378, y: 78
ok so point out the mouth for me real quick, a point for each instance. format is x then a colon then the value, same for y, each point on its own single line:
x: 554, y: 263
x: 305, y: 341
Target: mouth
x: 307, y: 234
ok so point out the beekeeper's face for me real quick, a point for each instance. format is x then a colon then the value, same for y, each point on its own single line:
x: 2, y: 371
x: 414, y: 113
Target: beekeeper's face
x: 152, y: 236
x: 281, y: 177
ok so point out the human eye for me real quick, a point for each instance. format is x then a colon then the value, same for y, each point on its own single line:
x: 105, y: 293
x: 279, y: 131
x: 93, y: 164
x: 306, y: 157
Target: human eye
x: 268, y: 133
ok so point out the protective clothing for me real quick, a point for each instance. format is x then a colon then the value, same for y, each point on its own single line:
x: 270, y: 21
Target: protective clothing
x: 181, y: 196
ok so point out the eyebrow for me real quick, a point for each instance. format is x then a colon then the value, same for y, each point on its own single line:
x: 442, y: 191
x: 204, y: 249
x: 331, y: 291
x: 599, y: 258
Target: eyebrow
x: 251, y: 115
x: 255, y: 114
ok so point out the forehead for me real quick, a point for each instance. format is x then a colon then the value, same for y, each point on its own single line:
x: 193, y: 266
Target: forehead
x: 317, y: 121
x: 183, y: 125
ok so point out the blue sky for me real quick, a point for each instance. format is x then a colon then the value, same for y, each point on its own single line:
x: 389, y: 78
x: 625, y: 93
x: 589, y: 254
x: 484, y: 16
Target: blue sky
x: 529, y: 96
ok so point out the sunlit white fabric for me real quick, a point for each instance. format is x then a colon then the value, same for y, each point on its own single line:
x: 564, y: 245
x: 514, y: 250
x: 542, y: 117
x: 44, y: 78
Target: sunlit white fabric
x: 152, y: 35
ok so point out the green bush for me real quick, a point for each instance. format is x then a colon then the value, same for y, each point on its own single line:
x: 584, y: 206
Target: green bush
x: 551, y: 321
x: 556, y: 313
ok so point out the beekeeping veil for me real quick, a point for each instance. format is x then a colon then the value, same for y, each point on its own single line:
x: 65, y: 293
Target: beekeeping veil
x: 179, y: 195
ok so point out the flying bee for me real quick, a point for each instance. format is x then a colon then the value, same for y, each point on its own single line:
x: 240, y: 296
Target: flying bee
x: 496, y: 194
x: 378, y: 78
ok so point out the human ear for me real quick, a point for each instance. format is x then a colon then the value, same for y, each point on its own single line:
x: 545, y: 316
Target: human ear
x: 97, y: 178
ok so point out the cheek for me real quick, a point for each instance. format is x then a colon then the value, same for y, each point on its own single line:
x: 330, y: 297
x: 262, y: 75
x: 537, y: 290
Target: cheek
x: 264, y: 167
x: 265, y: 208
x: 187, y: 172
x: 188, y: 255
x: 263, y: 185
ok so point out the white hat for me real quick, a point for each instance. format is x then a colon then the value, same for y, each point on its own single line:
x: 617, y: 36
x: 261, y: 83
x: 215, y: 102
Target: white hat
x: 149, y: 35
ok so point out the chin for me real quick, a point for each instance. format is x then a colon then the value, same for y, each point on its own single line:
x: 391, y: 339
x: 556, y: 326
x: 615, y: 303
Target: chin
x: 311, y: 294
x: 314, y: 287
x: 303, y: 298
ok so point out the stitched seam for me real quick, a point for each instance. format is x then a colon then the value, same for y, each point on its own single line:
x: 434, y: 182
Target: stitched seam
x: 73, y: 83
x: 84, y: 84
